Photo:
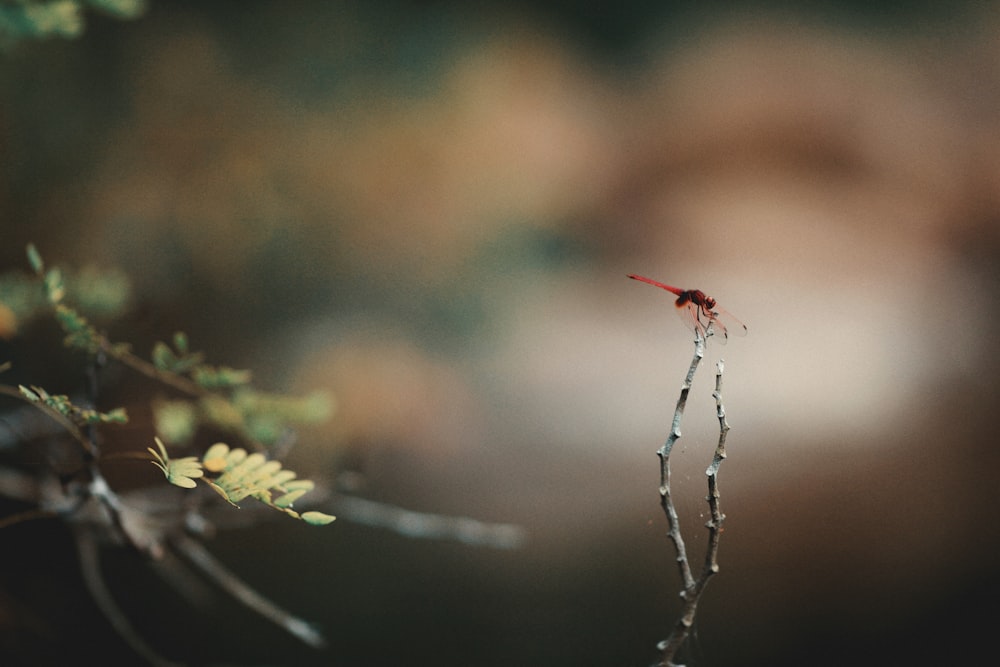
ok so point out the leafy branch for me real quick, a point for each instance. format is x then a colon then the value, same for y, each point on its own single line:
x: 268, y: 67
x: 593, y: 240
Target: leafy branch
x: 64, y: 421
x: 240, y: 475
x: 215, y: 395
x: 79, y: 415
x: 218, y: 396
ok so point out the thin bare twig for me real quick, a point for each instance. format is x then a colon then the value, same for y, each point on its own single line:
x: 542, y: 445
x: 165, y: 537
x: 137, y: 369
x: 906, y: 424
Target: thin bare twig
x: 426, y: 525
x: 199, y: 556
x: 692, y: 588
x: 714, y: 524
x: 28, y: 515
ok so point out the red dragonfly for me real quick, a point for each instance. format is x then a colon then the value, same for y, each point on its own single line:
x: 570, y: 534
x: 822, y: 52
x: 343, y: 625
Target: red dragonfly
x: 700, y: 312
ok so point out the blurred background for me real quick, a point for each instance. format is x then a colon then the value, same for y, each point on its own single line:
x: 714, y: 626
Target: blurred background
x: 429, y: 209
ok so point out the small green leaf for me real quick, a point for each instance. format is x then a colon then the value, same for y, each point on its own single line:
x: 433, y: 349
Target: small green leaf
x: 263, y: 476
x: 215, y: 458
x: 35, y: 259
x: 317, y: 518
x: 162, y: 357
x: 289, y: 499
x: 160, y: 456
x: 181, y: 342
x: 235, y: 457
x: 295, y: 485
x: 282, y: 477
x: 79, y: 333
x: 116, y: 416
x: 246, y: 466
x: 180, y: 472
x: 222, y: 492
x: 54, y: 285
x: 28, y: 394
x: 183, y: 482
x: 157, y: 461
x: 221, y: 377
x: 235, y: 493
x: 178, y: 362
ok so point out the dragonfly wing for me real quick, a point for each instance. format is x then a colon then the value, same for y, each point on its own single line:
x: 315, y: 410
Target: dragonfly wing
x: 692, y: 317
x: 718, y: 329
x: 700, y: 319
x: 727, y: 325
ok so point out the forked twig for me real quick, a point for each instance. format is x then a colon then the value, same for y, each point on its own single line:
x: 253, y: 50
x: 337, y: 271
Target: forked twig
x: 692, y: 588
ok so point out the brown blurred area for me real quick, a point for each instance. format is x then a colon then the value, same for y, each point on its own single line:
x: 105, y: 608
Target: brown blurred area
x: 430, y: 211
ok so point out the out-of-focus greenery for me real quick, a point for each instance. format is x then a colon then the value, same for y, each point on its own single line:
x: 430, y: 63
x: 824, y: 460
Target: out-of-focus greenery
x: 33, y: 19
x: 99, y: 293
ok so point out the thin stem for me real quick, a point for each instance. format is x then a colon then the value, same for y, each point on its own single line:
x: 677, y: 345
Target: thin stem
x: 142, y: 366
x: 200, y: 557
x: 65, y: 422
x: 693, y: 588
x: 93, y: 389
x: 183, y: 385
x: 666, y: 499
x: 90, y: 564
x: 27, y: 515
x: 714, y: 524
x: 426, y: 525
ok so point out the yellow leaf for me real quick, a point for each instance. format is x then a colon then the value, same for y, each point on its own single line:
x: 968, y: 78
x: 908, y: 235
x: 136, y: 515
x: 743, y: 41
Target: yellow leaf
x: 235, y: 457
x: 215, y: 458
x: 183, y: 482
